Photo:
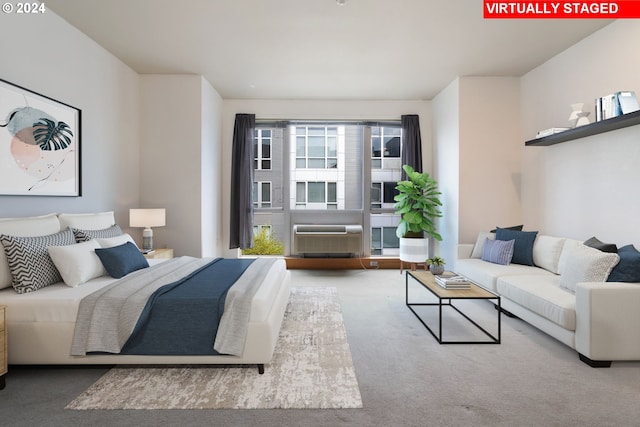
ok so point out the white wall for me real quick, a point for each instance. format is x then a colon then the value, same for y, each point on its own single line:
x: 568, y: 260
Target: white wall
x: 446, y: 143
x: 590, y: 186
x: 478, y: 155
x: 313, y: 109
x: 179, y: 144
x: 211, y: 167
x: 47, y: 55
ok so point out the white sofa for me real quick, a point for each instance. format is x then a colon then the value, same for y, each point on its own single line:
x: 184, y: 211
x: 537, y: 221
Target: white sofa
x: 600, y: 320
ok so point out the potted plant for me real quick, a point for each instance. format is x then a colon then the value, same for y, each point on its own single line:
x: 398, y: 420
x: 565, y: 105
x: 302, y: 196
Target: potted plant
x: 436, y: 265
x: 418, y: 204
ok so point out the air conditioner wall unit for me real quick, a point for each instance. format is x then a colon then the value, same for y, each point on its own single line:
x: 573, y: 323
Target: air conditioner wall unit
x: 329, y: 240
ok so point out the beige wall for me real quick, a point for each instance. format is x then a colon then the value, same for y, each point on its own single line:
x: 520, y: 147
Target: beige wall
x: 179, y: 160
x: 478, y: 155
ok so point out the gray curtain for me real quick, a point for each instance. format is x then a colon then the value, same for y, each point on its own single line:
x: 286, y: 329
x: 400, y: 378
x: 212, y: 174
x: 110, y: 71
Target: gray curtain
x: 411, y: 142
x: 241, y: 222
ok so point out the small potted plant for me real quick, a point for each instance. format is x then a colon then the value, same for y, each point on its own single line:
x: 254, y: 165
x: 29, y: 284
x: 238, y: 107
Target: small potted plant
x: 436, y: 265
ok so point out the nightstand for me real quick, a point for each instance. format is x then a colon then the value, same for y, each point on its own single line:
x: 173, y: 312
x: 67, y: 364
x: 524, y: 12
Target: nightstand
x: 160, y: 254
x: 3, y: 345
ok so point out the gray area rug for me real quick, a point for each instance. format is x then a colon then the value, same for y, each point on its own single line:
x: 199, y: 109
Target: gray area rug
x: 311, y: 368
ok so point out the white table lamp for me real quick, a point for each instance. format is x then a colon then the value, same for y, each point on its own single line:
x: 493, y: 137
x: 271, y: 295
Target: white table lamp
x: 147, y: 218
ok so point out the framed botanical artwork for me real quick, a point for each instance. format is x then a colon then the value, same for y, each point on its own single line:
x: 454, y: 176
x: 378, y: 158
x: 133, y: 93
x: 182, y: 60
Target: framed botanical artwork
x: 39, y: 144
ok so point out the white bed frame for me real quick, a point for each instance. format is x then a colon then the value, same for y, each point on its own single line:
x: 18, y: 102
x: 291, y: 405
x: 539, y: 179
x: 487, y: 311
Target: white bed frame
x: 49, y: 342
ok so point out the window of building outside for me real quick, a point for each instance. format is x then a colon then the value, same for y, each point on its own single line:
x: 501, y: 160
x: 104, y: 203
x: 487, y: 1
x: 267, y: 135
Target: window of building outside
x: 325, y: 170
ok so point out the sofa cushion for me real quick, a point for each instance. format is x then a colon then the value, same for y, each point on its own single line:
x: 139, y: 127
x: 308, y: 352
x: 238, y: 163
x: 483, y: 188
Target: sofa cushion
x: 546, y: 252
x: 480, y: 241
x: 486, y: 274
x: 541, y: 295
x: 498, y: 251
x: 628, y: 268
x: 579, y: 263
x: 596, y: 243
x: 523, y: 247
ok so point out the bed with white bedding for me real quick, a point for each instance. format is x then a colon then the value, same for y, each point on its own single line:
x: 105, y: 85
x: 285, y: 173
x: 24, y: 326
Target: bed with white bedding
x: 41, y: 323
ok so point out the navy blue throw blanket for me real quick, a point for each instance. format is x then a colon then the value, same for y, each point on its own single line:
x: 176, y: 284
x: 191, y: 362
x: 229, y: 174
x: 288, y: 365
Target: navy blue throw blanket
x: 182, y: 318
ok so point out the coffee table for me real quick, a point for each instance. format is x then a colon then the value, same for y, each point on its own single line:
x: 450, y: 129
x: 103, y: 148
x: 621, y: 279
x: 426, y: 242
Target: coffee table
x: 445, y: 299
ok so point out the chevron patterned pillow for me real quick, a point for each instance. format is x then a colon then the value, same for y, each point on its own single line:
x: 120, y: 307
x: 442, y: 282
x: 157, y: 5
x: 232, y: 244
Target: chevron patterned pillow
x: 86, y: 235
x: 29, y: 261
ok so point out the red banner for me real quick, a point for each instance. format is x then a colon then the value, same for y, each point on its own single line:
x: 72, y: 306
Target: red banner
x: 590, y: 9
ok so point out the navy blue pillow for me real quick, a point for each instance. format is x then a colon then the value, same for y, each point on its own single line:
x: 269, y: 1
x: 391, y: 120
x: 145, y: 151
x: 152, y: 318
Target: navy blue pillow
x: 122, y: 260
x: 523, y: 246
x: 628, y: 268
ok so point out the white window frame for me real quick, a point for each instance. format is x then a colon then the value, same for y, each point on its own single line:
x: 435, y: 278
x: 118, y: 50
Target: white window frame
x: 326, y: 204
x: 259, y: 158
x: 326, y: 158
x: 258, y: 191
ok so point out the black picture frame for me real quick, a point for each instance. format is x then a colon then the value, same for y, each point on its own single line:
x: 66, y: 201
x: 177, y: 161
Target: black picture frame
x: 40, y: 144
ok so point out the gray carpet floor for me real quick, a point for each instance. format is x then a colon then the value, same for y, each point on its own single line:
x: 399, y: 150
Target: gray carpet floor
x: 406, y: 378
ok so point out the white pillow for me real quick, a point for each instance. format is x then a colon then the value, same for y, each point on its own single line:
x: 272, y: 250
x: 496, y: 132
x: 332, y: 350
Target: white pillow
x: 77, y: 263
x: 24, y: 227
x: 547, y: 251
x: 482, y: 237
x: 579, y: 263
x: 87, y: 221
x: 109, y: 242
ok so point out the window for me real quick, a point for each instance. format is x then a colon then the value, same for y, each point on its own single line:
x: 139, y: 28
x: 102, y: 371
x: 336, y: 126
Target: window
x: 316, y: 147
x: 261, y: 194
x: 262, y: 149
x: 333, y: 172
x: 258, y: 229
x: 382, y: 194
x: 316, y: 195
x: 384, y: 241
x: 385, y: 147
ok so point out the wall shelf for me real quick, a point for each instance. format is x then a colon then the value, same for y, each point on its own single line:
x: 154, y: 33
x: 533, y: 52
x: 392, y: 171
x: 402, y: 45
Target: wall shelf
x: 623, y: 121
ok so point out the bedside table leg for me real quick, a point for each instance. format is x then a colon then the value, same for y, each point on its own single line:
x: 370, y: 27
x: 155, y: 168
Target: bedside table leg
x: 2, y: 382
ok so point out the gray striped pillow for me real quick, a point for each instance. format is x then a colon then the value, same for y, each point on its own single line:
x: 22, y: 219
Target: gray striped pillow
x: 29, y: 262
x: 498, y: 251
x: 86, y: 235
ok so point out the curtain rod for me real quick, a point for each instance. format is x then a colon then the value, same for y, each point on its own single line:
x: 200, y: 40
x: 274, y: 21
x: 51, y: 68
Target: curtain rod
x: 285, y: 123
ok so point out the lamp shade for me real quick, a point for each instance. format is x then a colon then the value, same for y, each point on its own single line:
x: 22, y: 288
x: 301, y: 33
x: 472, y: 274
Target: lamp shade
x: 147, y: 217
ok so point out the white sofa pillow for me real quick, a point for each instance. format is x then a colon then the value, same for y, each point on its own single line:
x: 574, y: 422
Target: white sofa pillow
x: 87, y: 221
x: 580, y: 263
x: 547, y: 251
x: 482, y: 238
x: 24, y: 227
x: 77, y: 263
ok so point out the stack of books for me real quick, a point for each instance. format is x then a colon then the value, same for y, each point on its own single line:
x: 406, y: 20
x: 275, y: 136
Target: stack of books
x: 618, y: 103
x: 453, y: 282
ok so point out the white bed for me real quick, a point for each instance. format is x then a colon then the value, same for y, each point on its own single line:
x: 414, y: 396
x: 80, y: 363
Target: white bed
x: 41, y: 324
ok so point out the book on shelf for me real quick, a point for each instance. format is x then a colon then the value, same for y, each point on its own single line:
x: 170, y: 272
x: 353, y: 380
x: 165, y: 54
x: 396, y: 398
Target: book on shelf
x: 616, y: 104
x: 550, y: 131
x: 453, y: 282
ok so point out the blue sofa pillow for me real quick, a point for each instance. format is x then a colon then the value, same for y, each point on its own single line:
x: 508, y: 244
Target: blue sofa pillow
x: 628, y: 268
x: 122, y: 260
x: 498, y: 251
x: 523, y: 246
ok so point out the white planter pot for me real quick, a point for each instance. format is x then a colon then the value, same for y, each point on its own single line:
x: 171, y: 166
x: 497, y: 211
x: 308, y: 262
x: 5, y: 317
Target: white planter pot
x: 414, y: 250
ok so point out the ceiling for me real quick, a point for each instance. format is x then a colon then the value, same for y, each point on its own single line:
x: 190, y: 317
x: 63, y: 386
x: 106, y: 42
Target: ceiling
x: 316, y: 49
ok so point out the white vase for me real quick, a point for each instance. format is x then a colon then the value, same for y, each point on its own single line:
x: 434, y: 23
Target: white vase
x: 414, y: 250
